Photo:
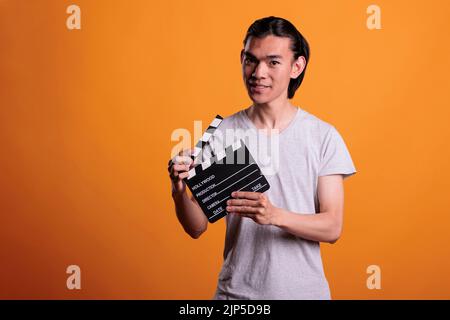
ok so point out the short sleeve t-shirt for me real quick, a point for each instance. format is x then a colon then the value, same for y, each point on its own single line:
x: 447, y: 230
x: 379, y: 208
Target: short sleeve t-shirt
x: 264, y: 261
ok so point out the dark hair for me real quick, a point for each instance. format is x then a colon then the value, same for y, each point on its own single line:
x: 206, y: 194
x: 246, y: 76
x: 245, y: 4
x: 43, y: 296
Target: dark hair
x: 282, y: 28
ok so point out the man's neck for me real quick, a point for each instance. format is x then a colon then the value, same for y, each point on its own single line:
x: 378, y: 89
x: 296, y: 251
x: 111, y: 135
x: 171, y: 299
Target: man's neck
x: 271, y: 115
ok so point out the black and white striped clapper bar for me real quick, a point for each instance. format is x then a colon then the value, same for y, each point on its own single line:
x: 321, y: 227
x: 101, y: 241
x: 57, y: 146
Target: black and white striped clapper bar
x: 205, y: 137
x: 231, y: 169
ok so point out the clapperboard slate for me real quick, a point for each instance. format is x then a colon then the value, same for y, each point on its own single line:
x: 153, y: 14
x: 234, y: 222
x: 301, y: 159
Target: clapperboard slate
x: 231, y: 169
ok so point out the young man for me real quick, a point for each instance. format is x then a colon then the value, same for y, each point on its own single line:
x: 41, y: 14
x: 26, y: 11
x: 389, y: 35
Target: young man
x: 272, y: 243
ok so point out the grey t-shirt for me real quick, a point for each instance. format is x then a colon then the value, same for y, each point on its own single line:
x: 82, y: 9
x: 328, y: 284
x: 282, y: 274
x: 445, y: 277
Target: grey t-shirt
x: 264, y: 261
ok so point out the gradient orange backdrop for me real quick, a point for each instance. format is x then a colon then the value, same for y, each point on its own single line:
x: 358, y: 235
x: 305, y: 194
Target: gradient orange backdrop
x: 86, y: 118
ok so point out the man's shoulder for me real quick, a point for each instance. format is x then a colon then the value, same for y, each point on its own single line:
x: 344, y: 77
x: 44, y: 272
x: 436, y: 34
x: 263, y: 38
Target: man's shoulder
x: 230, y: 126
x: 233, y: 121
x: 237, y: 115
x: 313, y: 123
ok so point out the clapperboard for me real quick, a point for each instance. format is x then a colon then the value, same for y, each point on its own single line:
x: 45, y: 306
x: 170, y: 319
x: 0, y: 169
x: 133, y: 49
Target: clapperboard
x: 231, y: 169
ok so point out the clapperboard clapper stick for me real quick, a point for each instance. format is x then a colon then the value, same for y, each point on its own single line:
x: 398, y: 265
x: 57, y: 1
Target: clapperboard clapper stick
x: 206, y: 137
x: 231, y: 169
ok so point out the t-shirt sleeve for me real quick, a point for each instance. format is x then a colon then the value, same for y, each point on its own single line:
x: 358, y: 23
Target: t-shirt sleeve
x: 335, y: 157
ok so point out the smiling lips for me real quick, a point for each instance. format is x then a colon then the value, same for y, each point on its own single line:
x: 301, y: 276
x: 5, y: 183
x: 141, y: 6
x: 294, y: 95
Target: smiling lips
x: 258, y: 87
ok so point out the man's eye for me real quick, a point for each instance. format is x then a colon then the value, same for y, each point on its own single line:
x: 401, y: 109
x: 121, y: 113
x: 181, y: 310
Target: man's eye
x: 248, y: 60
x: 274, y: 62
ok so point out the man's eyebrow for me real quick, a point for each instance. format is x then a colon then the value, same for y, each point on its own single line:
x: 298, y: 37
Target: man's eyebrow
x: 270, y: 56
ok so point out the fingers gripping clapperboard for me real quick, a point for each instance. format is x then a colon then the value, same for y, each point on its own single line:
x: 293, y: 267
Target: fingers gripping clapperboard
x: 231, y: 169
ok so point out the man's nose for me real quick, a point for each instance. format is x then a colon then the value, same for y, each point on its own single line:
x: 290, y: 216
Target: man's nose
x: 260, y: 71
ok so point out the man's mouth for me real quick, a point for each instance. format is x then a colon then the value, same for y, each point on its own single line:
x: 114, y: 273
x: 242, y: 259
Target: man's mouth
x: 258, y: 88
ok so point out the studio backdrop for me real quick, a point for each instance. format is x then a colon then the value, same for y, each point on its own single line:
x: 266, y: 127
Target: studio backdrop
x: 92, y: 91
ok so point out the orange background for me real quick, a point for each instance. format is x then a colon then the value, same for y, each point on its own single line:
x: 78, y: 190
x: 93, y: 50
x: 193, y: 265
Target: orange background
x: 86, y: 118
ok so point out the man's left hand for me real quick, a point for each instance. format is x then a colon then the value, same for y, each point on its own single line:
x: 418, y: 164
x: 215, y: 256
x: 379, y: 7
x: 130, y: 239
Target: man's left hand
x: 253, y: 205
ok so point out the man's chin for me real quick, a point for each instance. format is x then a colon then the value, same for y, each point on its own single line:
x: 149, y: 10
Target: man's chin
x: 259, y: 99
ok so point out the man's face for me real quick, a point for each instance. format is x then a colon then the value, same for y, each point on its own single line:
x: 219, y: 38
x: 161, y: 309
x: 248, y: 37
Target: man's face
x: 267, y: 67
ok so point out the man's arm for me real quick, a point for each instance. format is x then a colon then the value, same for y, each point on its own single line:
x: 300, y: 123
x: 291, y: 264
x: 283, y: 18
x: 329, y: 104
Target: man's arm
x: 188, y: 211
x: 190, y: 215
x: 325, y: 226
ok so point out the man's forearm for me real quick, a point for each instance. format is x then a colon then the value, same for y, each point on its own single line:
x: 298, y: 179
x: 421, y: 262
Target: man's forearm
x: 190, y: 215
x: 322, y: 227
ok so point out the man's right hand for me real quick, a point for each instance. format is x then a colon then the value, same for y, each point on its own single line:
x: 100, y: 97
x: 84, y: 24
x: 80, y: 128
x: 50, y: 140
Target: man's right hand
x: 178, y: 170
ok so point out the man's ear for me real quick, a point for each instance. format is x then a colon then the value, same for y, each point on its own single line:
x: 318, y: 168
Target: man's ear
x: 242, y: 55
x: 298, y: 66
